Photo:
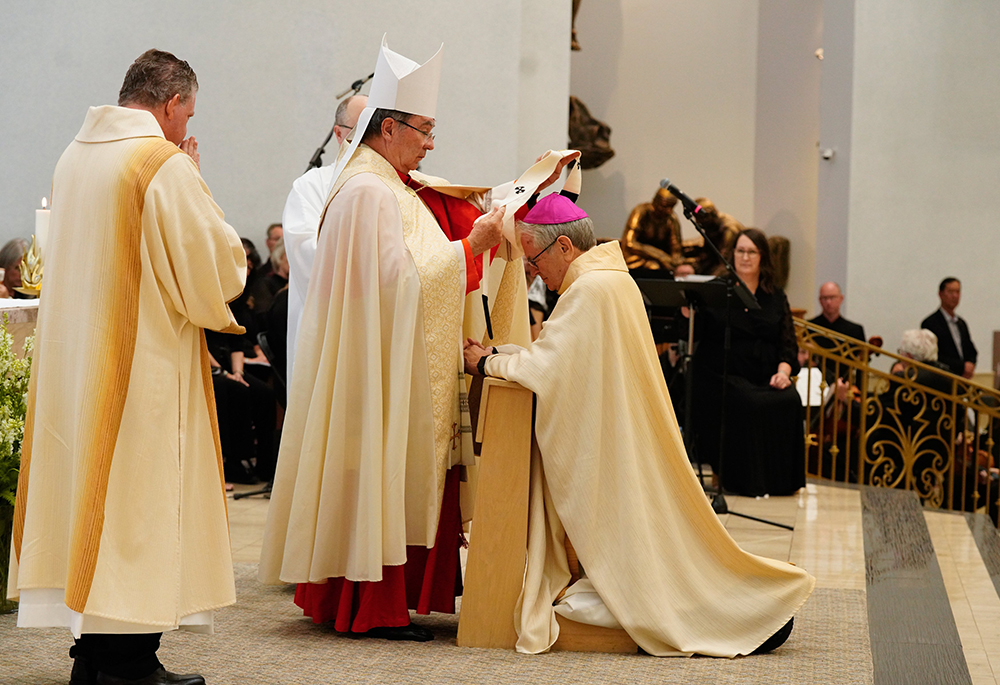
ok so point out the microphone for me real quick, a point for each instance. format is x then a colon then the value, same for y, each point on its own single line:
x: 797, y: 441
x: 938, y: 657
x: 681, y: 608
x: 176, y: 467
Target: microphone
x: 688, y: 203
x: 356, y: 86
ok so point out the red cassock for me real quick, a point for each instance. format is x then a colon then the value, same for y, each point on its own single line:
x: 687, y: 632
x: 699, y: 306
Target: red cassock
x: 431, y: 578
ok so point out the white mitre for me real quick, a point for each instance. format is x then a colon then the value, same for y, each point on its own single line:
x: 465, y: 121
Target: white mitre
x: 401, y: 84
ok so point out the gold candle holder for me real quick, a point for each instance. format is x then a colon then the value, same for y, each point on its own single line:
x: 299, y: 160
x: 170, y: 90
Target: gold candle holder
x: 31, y: 271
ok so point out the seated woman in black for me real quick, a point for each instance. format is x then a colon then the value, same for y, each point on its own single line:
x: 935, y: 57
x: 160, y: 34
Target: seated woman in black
x: 764, y: 437
x: 246, y: 407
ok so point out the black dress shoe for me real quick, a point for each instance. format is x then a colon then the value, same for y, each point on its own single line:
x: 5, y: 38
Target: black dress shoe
x: 776, y: 640
x: 409, y: 632
x: 158, y: 677
x: 82, y: 674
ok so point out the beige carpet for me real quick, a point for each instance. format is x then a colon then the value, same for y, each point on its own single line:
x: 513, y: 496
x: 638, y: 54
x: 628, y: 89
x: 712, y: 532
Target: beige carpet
x: 264, y: 639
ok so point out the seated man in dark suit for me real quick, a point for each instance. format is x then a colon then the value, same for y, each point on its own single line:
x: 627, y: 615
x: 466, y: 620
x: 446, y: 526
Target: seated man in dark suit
x: 955, y: 348
x: 830, y: 299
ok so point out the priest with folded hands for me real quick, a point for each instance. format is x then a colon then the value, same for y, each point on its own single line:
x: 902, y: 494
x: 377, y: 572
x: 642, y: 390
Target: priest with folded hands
x: 612, y: 475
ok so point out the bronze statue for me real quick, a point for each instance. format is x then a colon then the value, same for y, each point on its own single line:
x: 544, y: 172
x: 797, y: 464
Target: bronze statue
x: 721, y: 229
x: 588, y: 135
x: 781, y: 249
x: 652, y: 238
x: 573, y: 43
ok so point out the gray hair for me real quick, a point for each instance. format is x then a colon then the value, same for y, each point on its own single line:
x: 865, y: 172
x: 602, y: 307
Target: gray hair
x: 920, y: 344
x: 12, y: 252
x: 374, y: 129
x: 277, y: 253
x: 155, y: 77
x: 579, y: 232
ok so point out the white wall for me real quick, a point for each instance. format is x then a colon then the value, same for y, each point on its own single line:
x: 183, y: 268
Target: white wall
x: 721, y: 97
x: 543, y: 98
x: 788, y: 122
x: 836, y: 114
x: 268, y: 73
x: 925, y: 164
x: 676, y: 81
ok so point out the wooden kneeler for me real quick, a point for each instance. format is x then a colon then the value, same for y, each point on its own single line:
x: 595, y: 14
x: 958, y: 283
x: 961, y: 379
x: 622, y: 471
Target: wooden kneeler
x: 494, y: 572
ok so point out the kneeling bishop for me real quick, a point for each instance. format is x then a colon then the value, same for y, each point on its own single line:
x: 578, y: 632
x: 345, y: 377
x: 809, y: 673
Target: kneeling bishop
x: 613, y: 476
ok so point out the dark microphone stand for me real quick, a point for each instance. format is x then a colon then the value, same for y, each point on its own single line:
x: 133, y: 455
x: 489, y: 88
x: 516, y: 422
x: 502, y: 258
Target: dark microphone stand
x: 735, y: 287
x: 317, y: 158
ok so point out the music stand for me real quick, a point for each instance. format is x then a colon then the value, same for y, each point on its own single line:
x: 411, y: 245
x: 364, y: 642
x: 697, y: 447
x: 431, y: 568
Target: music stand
x: 693, y: 294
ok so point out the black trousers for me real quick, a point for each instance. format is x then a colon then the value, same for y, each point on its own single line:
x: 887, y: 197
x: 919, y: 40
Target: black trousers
x: 131, y: 656
x: 247, y: 415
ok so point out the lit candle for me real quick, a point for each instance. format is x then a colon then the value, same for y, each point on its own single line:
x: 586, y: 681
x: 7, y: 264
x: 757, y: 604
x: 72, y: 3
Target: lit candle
x: 42, y: 225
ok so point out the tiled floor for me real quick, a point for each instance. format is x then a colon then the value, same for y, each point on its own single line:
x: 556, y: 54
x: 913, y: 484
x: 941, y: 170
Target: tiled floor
x: 246, y: 525
x: 827, y: 541
x: 973, y: 597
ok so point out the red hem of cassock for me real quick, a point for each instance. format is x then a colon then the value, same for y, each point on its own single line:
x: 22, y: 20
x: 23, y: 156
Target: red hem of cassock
x: 428, y: 581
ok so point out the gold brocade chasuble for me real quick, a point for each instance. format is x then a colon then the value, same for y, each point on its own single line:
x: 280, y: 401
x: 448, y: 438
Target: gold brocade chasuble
x: 440, y: 270
x: 120, y: 500
x: 373, y: 421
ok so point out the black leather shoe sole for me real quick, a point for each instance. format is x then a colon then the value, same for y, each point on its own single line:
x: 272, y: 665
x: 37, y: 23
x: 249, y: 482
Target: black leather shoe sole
x: 81, y: 674
x: 412, y: 633
x: 776, y: 640
x: 158, y: 677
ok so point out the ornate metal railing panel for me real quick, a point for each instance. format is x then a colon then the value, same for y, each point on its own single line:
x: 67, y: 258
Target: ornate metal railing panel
x: 918, y: 428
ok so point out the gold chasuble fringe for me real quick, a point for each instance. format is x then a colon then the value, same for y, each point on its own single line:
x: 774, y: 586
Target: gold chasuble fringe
x: 118, y: 315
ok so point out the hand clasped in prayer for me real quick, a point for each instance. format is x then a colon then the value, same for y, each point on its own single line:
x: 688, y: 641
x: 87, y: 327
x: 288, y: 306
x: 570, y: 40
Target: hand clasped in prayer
x: 473, y: 353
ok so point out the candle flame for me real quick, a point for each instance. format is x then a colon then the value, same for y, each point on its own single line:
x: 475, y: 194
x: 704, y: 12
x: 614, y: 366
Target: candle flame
x: 45, y: 203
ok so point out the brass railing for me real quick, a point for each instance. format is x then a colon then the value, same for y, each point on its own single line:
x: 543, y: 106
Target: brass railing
x: 920, y: 429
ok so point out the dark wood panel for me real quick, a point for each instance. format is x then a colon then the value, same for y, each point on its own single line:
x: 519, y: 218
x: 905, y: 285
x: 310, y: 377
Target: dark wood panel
x: 911, y: 627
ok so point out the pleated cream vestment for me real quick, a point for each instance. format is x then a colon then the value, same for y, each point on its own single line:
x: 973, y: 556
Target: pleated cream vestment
x: 373, y: 421
x: 120, y: 521
x: 614, y: 475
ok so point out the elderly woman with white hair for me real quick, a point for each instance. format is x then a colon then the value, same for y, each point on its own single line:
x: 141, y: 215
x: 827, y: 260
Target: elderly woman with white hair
x: 913, y: 407
x: 920, y: 344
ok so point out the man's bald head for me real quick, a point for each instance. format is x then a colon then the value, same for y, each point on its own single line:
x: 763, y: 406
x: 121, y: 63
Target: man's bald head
x: 347, y: 115
x: 830, y: 299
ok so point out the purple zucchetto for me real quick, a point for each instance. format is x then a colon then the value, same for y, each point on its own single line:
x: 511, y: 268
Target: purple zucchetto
x: 554, y: 209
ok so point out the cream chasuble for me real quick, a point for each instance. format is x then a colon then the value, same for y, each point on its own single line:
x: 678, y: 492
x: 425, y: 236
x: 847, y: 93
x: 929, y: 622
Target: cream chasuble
x: 373, y: 420
x: 613, y: 473
x: 121, y: 510
x: 300, y: 221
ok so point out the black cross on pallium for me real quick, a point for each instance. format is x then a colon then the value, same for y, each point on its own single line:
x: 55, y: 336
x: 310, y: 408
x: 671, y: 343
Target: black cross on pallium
x: 456, y: 436
x: 518, y: 190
